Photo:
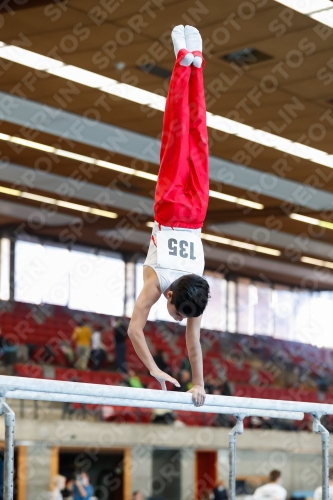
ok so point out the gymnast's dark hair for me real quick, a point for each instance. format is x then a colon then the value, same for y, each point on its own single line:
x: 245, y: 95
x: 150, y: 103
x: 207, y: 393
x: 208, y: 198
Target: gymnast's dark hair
x: 190, y: 294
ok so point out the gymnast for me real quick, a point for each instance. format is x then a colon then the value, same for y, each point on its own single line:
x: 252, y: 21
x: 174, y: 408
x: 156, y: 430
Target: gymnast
x: 175, y: 260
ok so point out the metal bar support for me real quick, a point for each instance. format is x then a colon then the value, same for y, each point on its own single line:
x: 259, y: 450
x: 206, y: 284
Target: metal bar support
x: 325, y: 452
x: 110, y: 400
x: 8, y: 482
x: 12, y: 384
x: 238, y: 429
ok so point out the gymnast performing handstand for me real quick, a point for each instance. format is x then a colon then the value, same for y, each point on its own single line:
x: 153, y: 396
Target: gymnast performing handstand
x: 175, y: 259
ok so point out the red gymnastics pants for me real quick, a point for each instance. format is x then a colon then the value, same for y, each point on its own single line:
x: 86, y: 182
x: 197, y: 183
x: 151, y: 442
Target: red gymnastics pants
x: 182, y: 190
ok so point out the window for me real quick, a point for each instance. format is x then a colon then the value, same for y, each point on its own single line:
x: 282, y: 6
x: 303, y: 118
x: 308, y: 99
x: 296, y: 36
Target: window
x: 41, y: 273
x: 130, y: 288
x: 79, y: 278
x: 82, y: 279
x: 97, y: 282
x: 283, y: 307
x: 110, y: 284
x: 321, y: 329
x: 302, y: 330
x: 231, y: 312
x: 263, y: 310
x: 245, y: 302
x: 29, y: 271
x: 215, y: 314
x: 4, y: 269
x: 55, y: 286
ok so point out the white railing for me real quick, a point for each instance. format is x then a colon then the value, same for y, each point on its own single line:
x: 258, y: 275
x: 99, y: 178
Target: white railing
x: 52, y: 390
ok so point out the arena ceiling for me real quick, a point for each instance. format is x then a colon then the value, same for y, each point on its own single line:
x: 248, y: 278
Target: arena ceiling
x: 80, y: 149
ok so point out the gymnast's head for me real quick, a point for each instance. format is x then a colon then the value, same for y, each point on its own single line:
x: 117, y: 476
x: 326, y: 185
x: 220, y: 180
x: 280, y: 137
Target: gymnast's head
x: 187, y: 297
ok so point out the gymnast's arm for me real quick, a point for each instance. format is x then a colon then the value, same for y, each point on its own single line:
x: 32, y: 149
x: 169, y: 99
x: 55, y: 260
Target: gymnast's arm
x: 195, y: 356
x: 147, y: 298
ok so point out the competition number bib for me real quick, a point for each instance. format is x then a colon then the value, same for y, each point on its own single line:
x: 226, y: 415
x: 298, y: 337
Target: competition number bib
x: 181, y: 251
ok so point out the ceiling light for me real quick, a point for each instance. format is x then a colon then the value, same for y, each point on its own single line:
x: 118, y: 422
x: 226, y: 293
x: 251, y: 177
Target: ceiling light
x: 159, y: 104
x: 298, y: 149
x: 141, y: 96
x: 73, y: 206
x: 82, y: 76
x: 74, y: 156
x: 126, y: 170
x: 265, y: 138
x: 240, y: 244
x: 327, y: 225
x: 226, y: 125
x: 268, y: 139
x: 103, y: 213
x: 319, y: 10
x: 306, y: 6
x: 113, y: 166
x: 130, y: 93
x: 30, y: 144
x: 37, y: 197
x: 120, y: 65
x: 11, y: 192
x: 78, y: 157
x: 304, y: 218
x: 84, y: 208
x: 146, y: 175
x: 311, y: 220
x: 59, y: 203
x: 317, y: 262
x: 234, y: 199
x: 322, y: 158
x: 324, y: 17
x: 118, y: 168
x: 28, y: 58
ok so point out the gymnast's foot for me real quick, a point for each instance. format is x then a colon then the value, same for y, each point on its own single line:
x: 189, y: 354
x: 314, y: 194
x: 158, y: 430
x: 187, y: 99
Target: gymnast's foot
x: 178, y: 39
x: 194, y: 43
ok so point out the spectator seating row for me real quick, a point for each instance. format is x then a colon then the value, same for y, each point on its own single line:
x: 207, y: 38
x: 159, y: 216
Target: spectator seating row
x: 292, y: 394
x: 47, y: 328
x: 73, y: 375
x: 21, y: 325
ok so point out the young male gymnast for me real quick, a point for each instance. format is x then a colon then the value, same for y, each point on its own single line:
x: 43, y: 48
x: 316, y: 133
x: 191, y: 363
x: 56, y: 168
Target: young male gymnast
x: 175, y: 259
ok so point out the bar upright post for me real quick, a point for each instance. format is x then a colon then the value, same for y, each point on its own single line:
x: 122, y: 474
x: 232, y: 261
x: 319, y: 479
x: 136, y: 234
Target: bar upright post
x: 8, y: 482
x: 325, y: 452
x: 238, y: 429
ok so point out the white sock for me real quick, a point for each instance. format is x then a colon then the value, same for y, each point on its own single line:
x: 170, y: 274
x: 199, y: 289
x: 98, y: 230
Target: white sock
x: 197, y: 61
x: 193, y: 39
x: 187, y: 60
x: 193, y: 42
x: 178, y: 39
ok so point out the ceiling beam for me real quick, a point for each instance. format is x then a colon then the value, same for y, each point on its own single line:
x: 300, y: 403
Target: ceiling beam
x: 220, y: 216
x: 294, y: 245
x: 102, y: 135
x: 214, y: 253
x: 60, y: 185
